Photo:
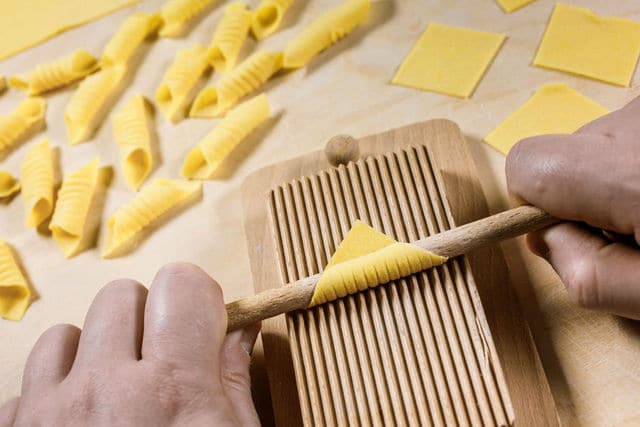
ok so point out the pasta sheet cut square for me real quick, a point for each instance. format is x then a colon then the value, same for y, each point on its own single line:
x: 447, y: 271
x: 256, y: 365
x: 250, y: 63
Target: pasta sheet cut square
x: 578, y: 41
x: 554, y: 109
x: 511, y: 5
x: 449, y: 60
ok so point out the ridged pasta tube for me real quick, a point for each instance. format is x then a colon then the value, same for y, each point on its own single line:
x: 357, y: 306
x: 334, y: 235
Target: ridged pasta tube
x: 56, y: 74
x: 153, y: 201
x: 131, y: 126
x: 37, y: 183
x: 229, y: 37
x: 15, y: 295
x: 27, y: 118
x: 176, y: 15
x: 325, y: 31
x: 131, y: 34
x: 267, y: 17
x: 204, y: 158
x: 8, y: 185
x: 216, y: 100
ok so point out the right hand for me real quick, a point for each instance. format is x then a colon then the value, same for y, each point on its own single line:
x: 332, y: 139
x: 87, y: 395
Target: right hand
x: 591, y: 179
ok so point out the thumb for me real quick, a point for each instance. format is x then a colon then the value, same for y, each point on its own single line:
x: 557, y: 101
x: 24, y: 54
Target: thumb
x: 597, y: 273
x: 236, y: 380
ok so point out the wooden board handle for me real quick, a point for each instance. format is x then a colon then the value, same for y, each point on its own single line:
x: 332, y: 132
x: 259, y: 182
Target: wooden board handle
x: 450, y: 243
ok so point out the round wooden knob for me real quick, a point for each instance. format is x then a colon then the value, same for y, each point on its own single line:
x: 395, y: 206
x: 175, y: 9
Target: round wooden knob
x: 341, y: 150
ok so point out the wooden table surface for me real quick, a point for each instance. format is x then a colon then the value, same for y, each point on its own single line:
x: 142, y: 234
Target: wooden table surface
x: 592, y: 360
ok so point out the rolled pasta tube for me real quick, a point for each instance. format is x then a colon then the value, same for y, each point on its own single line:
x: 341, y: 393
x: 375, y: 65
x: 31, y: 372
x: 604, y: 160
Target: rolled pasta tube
x: 179, y: 82
x: 131, y: 127
x: 267, y: 17
x: 3, y: 83
x: 68, y: 224
x: 325, y: 31
x: 15, y: 294
x: 229, y: 37
x: 131, y: 34
x: 27, y: 118
x: 203, y: 160
x: 37, y: 183
x: 8, y: 185
x: 176, y: 15
x: 214, y: 101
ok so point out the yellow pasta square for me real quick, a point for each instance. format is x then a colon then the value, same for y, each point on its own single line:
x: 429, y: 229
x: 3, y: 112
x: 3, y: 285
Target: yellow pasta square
x: 449, y: 60
x: 580, y: 42
x: 511, y: 5
x: 554, y: 109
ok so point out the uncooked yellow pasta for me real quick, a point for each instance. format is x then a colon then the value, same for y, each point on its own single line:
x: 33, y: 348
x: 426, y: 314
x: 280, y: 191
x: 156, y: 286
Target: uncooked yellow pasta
x: 56, y: 74
x: 37, y: 183
x: 366, y: 259
x: 204, y: 158
x: 131, y: 34
x: 27, y: 118
x: 176, y: 15
x: 8, y: 185
x: 131, y: 127
x: 15, y: 294
x: 3, y: 83
x: 229, y: 37
x: 87, y: 106
x: 68, y: 224
x: 214, y: 101
x: 325, y: 31
x: 179, y: 82
x: 267, y: 17
x: 153, y: 201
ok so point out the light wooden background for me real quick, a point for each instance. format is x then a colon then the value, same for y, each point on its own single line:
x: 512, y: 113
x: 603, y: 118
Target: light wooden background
x: 592, y: 360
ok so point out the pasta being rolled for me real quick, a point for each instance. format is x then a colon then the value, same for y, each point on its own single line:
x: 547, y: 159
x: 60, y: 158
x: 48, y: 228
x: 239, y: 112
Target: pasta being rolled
x: 56, y: 74
x: 176, y: 14
x: 68, y: 224
x: 179, y: 82
x: 267, y: 17
x: 15, y: 295
x: 152, y: 201
x: 131, y: 34
x: 204, y: 158
x: 21, y: 122
x: 8, y: 185
x: 325, y: 31
x: 131, y: 127
x: 214, y: 101
x: 88, y: 104
x: 229, y: 37
x: 37, y: 183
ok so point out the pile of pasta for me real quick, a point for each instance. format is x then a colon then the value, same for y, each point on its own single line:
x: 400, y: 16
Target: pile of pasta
x: 70, y: 215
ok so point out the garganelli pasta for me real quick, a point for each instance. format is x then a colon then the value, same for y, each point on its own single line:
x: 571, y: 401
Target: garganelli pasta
x: 8, y: 185
x: 3, y: 83
x: 325, y: 31
x: 68, y: 224
x: 28, y: 117
x: 229, y: 37
x: 15, y: 294
x: 267, y: 17
x: 176, y: 15
x: 56, y: 74
x: 131, y: 34
x: 154, y: 200
x: 87, y: 106
x: 131, y: 127
x: 37, y: 183
x: 179, y: 82
x: 214, y: 101
x: 204, y: 158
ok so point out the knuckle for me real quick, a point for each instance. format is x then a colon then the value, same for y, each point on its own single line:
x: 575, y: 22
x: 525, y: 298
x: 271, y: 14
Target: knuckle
x: 582, y: 287
x: 237, y: 379
x: 174, y: 386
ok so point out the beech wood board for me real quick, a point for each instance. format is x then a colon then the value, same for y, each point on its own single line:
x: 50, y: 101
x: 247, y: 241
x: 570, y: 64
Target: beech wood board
x: 420, y: 350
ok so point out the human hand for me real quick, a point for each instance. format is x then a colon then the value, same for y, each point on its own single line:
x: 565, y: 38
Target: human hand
x: 592, y: 180
x: 157, y: 358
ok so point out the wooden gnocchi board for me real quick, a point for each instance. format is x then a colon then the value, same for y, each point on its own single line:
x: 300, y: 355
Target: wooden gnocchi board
x: 445, y: 347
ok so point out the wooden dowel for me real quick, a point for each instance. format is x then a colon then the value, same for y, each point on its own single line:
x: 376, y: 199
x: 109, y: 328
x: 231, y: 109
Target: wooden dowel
x: 450, y: 243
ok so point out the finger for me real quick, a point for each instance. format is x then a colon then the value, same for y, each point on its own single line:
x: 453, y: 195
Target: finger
x: 236, y: 379
x: 185, y: 318
x: 8, y: 412
x: 568, y: 177
x: 51, y: 358
x: 113, y: 326
x: 597, y: 273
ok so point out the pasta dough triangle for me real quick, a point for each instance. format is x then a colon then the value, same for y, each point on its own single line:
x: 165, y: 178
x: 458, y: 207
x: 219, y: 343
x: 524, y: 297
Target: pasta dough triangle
x: 367, y: 258
x: 8, y: 185
x: 15, y: 294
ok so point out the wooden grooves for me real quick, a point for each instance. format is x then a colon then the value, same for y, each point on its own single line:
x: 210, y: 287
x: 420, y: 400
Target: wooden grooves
x: 418, y: 351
